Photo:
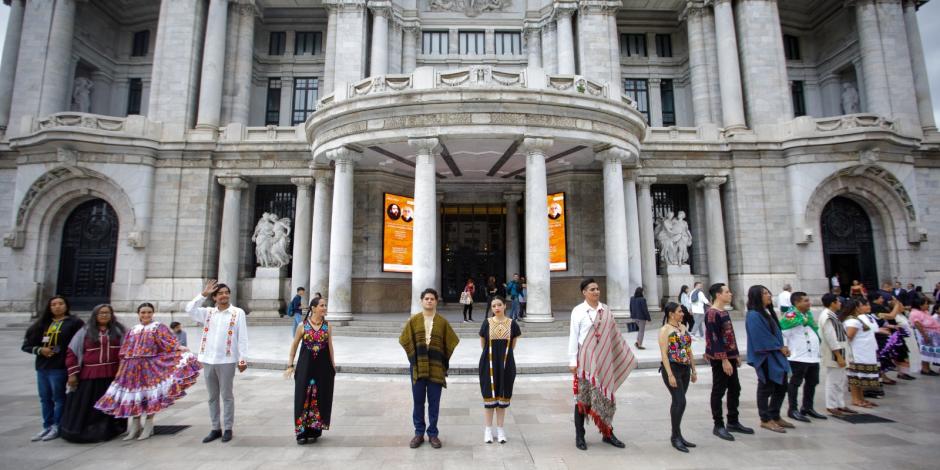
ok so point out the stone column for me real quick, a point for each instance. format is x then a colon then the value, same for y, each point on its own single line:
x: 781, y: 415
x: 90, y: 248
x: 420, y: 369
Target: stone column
x: 633, y: 234
x: 231, y: 231
x: 616, y: 81
x: 616, y: 248
x: 351, y: 28
x: 565, y: 47
x: 698, y: 66
x: 213, y: 66
x: 329, y: 60
x: 861, y: 87
x: 550, y: 48
x: 425, y: 232
x: 656, y: 102
x: 594, y: 53
x: 534, y: 46
x: 287, y: 101
x: 729, y: 69
x: 175, y: 78
x: 918, y: 64
x: 874, y: 68
x: 647, y: 247
x: 763, y: 64
x: 300, y: 266
x: 409, y: 49
x: 320, y: 231
x: 898, y: 62
x: 57, y: 79
x: 538, y: 274
x: 512, y: 233
x: 711, y: 57
x: 245, y: 57
x: 341, y: 236
x: 489, y: 42
x: 11, y: 49
x: 379, y: 58
x: 715, y: 230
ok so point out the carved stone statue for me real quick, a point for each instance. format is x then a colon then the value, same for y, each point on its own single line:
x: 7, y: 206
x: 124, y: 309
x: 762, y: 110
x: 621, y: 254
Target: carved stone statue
x: 272, y: 240
x: 81, y: 95
x: 849, y: 99
x: 673, y: 239
x: 470, y: 8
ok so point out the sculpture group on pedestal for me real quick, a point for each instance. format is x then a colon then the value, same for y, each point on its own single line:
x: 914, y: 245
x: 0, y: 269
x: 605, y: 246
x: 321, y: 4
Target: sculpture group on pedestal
x: 673, y: 239
x: 272, y: 241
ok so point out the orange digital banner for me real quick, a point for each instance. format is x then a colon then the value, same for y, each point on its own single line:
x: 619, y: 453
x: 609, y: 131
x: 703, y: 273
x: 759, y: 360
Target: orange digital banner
x: 398, y: 233
x: 557, y: 245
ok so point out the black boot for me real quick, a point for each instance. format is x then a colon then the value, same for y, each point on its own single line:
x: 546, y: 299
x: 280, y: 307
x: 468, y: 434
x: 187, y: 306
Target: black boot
x: 679, y: 445
x: 579, y: 430
x: 612, y: 440
x: 685, y: 442
x: 723, y: 433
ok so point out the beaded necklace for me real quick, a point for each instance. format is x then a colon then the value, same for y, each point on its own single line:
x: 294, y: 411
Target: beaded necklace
x: 228, y: 337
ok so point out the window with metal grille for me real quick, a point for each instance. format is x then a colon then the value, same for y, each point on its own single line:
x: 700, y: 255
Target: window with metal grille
x: 799, y: 100
x: 272, y: 114
x: 276, y: 43
x: 668, y: 97
x: 141, y: 44
x: 471, y: 42
x: 434, y: 42
x: 308, y: 43
x: 281, y: 200
x: 135, y: 94
x: 638, y: 89
x: 305, y: 99
x: 508, y: 43
x: 791, y: 47
x: 670, y: 198
x: 664, y: 45
x: 633, y: 45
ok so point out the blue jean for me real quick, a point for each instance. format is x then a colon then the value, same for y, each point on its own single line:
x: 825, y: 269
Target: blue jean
x: 51, y: 384
x: 298, y: 317
x: 419, y: 390
x: 514, y: 307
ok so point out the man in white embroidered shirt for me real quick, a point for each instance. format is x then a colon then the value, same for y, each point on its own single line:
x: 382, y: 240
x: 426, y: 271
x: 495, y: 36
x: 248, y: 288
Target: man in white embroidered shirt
x: 801, y: 336
x: 223, y: 347
x: 600, y: 360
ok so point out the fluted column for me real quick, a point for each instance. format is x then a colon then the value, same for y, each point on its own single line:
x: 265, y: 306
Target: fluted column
x: 918, y: 64
x: 763, y: 65
x: 320, y: 231
x: 616, y: 249
x: 329, y: 60
x: 300, y: 266
x: 213, y: 65
x: 656, y: 102
x: 701, y: 104
x: 341, y: 236
x: 425, y: 233
x: 645, y: 208
x: 245, y: 56
x: 409, y: 49
x: 633, y: 234
x: 512, y: 233
x: 729, y: 68
x: 11, y: 49
x: 287, y: 93
x: 874, y: 68
x: 565, y: 43
x: 534, y: 46
x: 538, y: 274
x: 231, y: 228
x: 715, y: 229
x: 379, y: 58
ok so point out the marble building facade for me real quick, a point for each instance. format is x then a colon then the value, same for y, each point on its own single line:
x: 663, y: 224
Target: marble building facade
x: 141, y: 140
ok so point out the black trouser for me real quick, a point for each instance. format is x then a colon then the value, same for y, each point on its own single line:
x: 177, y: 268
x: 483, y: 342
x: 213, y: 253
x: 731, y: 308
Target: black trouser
x: 770, y: 396
x: 468, y: 309
x: 722, y: 383
x: 578, y: 423
x: 683, y: 374
x: 808, y: 374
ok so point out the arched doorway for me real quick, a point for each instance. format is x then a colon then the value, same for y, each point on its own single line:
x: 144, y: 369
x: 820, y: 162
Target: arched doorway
x: 848, y: 242
x: 87, y: 255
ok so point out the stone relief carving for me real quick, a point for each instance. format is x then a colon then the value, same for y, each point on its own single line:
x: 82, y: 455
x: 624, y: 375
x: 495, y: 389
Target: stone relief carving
x: 73, y: 119
x: 673, y: 239
x: 470, y: 8
x: 854, y: 121
x: 81, y: 95
x: 272, y: 240
x: 849, y: 99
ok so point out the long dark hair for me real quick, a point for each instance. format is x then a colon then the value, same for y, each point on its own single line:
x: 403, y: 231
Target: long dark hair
x: 850, y: 306
x: 669, y: 308
x: 638, y: 292
x: 116, y: 330
x: 683, y: 290
x: 755, y: 301
x: 45, y: 318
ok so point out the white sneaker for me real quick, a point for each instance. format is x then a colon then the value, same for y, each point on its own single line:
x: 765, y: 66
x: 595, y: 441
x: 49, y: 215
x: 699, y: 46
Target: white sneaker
x: 488, y: 435
x: 40, y: 434
x: 501, y: 435
x: 52, y: 434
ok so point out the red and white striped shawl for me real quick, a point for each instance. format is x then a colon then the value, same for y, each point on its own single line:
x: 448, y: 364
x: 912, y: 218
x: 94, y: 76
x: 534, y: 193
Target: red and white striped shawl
x: 604, y: 359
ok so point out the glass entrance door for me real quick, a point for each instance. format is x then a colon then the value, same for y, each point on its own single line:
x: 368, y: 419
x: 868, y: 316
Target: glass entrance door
x: 473, y: 245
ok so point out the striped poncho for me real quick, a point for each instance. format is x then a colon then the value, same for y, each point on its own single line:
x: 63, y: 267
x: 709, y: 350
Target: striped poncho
x: 428, y: 361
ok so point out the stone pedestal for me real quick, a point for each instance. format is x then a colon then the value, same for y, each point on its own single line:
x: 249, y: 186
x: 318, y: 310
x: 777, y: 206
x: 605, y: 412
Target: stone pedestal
x: 675, y: 278
x: 264, y: 296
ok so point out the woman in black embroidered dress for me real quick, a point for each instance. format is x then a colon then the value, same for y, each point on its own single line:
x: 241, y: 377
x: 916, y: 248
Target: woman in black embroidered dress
x: 314, y: 375
x: 498, y: 336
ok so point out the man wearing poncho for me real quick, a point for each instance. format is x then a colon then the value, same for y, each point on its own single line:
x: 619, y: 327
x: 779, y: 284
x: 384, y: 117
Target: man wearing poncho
x: 601, y: 360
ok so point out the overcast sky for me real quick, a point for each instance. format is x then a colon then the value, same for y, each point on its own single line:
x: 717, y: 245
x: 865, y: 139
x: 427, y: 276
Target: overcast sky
x: 929, y: 20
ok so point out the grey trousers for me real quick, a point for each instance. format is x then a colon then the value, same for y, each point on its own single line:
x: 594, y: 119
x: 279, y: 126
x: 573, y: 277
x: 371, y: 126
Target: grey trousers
x: 219, y: 378
x: 698, y: 328
x: 641, y: 330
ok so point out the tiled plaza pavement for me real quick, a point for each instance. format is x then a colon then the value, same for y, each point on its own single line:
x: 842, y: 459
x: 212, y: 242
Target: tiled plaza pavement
x: 371, y: 429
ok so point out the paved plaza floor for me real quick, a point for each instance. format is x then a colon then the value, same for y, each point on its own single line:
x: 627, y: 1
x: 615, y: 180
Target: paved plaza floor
x: 371, y: 427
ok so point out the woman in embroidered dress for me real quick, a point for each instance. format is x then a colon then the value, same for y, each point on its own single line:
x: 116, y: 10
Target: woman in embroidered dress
x: 498, y: 336
x: 677, y: 368
x: 314, y: 375
x: 863, y: 371
x: 92, y: 360
x: 927, y: 330
x: 155, y: 371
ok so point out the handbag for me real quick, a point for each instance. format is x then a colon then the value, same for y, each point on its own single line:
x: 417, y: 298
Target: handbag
x: 465, y: 298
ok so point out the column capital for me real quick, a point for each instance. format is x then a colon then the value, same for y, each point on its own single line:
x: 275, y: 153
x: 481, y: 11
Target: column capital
x: 614, y: 154
x: 246, y: 7
x: 565, y: 9
x: 536, y: 144
x: 323, y: 174
x: 712, y: 182
x: 380, y: 7
x: 343, y: 155
x: 302, y: 181
x: 712, y: 3
x: 693, y: 9
x: 512, y: 197
x: 233, y: 182
x: 645, y: 181
x: 423, y: 145
x: 655, y: 81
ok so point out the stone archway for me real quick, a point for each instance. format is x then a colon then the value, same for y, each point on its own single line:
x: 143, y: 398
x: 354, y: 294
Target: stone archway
x: 848, y: 243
